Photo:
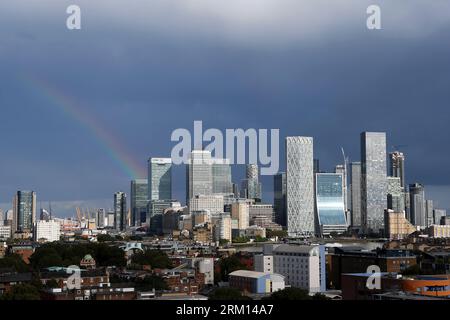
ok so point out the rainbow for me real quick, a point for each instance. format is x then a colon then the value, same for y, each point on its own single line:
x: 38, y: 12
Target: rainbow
x: 105, y: 139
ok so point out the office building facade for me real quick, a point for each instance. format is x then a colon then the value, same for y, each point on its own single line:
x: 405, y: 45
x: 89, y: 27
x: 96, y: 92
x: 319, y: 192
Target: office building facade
x: 160, y: 179
x: 330, y: 203
x: 355, y: 194
x: 138, y: 201
x: 373, y: 181
x: 24, y: 211
x: 395, y: 195
x: 300, y: 186
x: 221, y: 176
x: 120, y: 211
x: 397, y: 167
x: 279, y: 198
x: 199, y: 175
x: 417, y: 203
x: 251, y: 188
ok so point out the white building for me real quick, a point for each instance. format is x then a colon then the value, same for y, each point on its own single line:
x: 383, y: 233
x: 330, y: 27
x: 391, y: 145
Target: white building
x: 439, y: 231
x: 203, y: 265
x: 222, y: 226
x: 211, y: 203
x: 5, y: 232
x: 256, y: 282
x: 263, y: 263
x: 48, y: 230
x: 199, y: 174
x: 240, y: 212
x: 302, y: 266
x: 300, y: 186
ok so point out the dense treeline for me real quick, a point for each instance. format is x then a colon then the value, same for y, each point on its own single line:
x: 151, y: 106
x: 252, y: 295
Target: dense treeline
x: 152, y: 258
x: 62, y: 254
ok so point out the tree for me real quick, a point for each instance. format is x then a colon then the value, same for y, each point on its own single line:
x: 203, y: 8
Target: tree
x: 22, y: 291
x: 229, y: 265
x: 15, y: 262
x: 240, y: 240
x: 58, y: 254
x: 227, y: 294
x: 105, y: 238
x: 52, y: 283
x: 412, y: 270
x: 319, y: 296
x: 151, y: 282
x: 276, y: 233
x: 260, y: 239
x: 154, y: 258
x: 223, y: 242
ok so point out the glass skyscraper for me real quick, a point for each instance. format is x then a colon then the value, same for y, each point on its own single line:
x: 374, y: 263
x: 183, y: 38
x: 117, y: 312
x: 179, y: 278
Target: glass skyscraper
x: 160, y: 179
x: 138, y: 201
x: 120, y: 211
x: 279, y: 198
x: 251, y: 187
x: 24, y: 211
x: 355, y: 198
x: 221, y: 175
x: 417, y: 203
x: 330, y: 203
x: 429, y: 208
x: 199, y: 175
x: 395, y: 196
x: 300, y: 186
x: 397, y: 166
x: 373, y: 181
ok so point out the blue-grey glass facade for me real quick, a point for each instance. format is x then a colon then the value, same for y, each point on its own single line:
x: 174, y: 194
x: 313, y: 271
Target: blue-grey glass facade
x: 373, y: 181
x: 279, y: 201
x: 355, y: 199
x: 24, y: 210
x: 139, y: 201
x: 330, y: 202
x: 160, y: 178
x: 221, y: 176
x: 120, y: 211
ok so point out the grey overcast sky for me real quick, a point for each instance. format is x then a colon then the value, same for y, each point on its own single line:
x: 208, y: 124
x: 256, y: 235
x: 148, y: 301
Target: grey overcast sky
x: 82, y: 109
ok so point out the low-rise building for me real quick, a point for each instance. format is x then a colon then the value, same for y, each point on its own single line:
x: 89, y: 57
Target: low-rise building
x: 5, y: 232
x: 355, y: 260
x: 255, y: 231
x: 256, y: 282
x: 396, y: 225
x: 354, y: 285
x: 11, y: 278
x: 203, y: 233
x: 438, y: 231
x: 202, y: 265
x: 89, y: 278
x: 23, y: 249
x: 302, y: 266
x: 187, y: 281
x: 47, y: 231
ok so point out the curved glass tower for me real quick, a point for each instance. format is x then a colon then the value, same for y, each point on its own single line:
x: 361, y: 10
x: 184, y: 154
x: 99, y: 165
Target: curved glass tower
x: 330, y: 203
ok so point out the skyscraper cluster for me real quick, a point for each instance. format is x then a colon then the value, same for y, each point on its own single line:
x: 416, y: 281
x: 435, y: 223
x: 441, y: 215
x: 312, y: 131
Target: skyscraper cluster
x: 354, y: 197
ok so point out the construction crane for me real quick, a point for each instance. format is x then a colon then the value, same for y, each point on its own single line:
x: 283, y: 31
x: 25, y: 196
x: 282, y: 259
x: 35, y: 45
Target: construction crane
x: 79, y: 215
x: 50, y: 209
x: 344, y: 182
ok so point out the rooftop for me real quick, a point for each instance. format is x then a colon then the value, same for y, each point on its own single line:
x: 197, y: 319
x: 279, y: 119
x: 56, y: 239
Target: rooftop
x: 248, y: 274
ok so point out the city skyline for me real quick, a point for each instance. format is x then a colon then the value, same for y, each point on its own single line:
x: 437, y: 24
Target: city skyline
x: 237, y: 171
x: 89, y: 127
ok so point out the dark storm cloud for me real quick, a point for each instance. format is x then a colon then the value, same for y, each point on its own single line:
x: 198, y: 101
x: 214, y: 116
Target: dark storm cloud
x: 148, y: 67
